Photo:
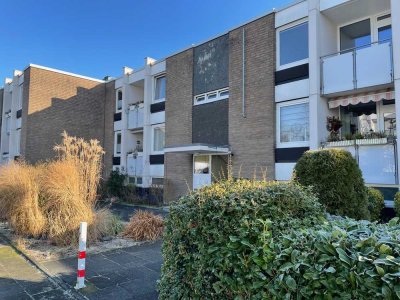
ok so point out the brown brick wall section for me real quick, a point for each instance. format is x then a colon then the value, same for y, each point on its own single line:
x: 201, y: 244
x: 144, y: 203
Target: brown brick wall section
x: 178, y: 124
x: 58, y: 102
x: 252, y: 138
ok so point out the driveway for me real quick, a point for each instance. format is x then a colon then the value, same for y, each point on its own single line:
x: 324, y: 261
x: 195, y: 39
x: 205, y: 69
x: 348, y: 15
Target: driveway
x: 126, y: 211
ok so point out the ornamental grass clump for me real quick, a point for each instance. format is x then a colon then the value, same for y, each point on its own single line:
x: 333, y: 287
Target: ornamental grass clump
x: 336, y: 179
x: 144, y: 226
x: 214, y: 237
x: 19, y: 199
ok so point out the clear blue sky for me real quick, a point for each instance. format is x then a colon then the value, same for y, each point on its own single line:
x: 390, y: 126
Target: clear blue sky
x: 98, y: 37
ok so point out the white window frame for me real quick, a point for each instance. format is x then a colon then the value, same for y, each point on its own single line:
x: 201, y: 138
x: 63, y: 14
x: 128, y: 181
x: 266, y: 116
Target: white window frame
x: 116, y: 100
x: 278, y: 46
x: 207, y: 99
x: 153, y: 128
x: 155, y: 177
x: 279, y: 105
x: 155, y: 86
x: 115, y: 143
x: 375, y: 24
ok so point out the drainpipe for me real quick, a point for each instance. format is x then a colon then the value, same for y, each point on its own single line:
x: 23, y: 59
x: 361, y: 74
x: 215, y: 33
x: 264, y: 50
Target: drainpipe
x: 243, y: 73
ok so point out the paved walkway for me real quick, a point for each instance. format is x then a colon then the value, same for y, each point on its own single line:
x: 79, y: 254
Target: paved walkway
x: 128, y: 273
x: 19, y: 279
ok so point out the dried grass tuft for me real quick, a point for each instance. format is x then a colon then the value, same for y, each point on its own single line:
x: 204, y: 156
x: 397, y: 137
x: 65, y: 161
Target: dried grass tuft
x: 19, y: 199
x: 87, y: 157
x: 144, y: 226
x: 63, y: 202
x: 105, y: 225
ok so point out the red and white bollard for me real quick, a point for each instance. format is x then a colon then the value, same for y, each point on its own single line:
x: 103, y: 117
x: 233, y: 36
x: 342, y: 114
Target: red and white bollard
x: 81, y: 256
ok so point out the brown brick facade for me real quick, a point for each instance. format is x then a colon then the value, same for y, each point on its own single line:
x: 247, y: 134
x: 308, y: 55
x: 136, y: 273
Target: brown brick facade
x: 54, y: 102
x: 252, y: 138
x: 178, y: 124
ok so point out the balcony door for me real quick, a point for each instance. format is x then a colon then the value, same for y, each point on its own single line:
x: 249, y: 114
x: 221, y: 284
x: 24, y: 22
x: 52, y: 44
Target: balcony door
x: 201, y: 171
x: 383, y: 32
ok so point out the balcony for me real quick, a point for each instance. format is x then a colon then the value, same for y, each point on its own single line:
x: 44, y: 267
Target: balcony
x: 376, y: 158
x: 136, y: 116
x: 357, y: 69
x: 135, y: 165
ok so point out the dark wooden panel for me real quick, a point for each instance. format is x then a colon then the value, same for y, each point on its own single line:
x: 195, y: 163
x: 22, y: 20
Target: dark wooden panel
x: 289, y: 155
x: 291, y: 74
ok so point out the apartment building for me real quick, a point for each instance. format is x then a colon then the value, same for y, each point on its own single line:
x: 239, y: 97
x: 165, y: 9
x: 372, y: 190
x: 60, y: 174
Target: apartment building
x: 139, y: 124
x: 39, y: 103
x: 339, y: 58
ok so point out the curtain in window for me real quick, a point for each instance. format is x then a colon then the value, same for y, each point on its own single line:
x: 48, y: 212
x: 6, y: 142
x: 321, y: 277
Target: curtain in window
x: 294, y: 123
x: 159, y: 139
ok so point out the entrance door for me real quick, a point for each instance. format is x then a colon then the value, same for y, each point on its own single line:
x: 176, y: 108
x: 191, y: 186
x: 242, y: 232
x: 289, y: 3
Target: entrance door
x: 201, y: 171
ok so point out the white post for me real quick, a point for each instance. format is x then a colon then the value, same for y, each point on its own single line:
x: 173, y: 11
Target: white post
x: 81, y: 256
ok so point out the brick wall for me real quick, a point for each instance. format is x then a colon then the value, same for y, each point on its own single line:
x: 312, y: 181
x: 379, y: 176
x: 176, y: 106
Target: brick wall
x: 54, y: 102
x: 178, y: 124
x: 252, y: 138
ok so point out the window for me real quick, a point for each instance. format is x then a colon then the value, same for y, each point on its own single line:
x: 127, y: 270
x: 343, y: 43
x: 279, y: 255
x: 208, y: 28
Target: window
x: 118, y: 141
x: 202, y: 164
x: 119, y: 101
x: 293, y: 45
x: 212, y: 96
x: 360, y: 118
x: 293, y: 123
x: 158, y: 139
x: 355, y: 35
x: 18, y: 141
x: 160, y: 88
x: 385, y: 34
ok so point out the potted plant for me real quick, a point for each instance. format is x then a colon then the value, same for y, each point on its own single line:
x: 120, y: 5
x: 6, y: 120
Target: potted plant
x: 333, y: 125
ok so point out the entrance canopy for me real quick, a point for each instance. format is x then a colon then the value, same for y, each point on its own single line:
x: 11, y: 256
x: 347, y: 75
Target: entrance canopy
x: 362, y: 98
x: 198, y: 148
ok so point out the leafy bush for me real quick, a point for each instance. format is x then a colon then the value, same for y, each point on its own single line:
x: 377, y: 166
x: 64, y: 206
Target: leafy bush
x: 397, y: 204
x: 376, y: 203
x: 258, y: 240
x: 214, y: 237
x: 116, y: 184
x: 144, y: 226
x: 341, y: 259
x: 337, y: 180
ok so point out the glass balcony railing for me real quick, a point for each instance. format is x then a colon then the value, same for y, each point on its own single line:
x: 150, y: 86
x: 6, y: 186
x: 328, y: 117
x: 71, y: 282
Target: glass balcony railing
x: 357, y: 68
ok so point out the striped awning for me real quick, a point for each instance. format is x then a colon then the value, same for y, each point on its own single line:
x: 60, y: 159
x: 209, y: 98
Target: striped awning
x: 361, y: 98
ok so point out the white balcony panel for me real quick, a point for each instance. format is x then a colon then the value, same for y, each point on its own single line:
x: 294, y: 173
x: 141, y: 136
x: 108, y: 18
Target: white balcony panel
x: 117, y: 125
x: 283, y: 171
x: 377, y: 164
x: 135, y: 165
x: 338, y: 73
x: 18, y: 123
x: 374, y: 65
x: 135, y: 118
x: 326, y: 4
x: 157, y: 170
x: 157, y: 118
x: 293, y: 90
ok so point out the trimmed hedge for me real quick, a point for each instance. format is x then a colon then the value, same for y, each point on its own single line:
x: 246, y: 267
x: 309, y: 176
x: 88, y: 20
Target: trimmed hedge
x: 214, y: 238
x: 337, y: 181
x: 376, y: 203
x: 259, y: 240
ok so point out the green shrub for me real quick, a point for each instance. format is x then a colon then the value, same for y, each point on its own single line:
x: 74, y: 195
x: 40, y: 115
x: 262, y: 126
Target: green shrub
x: 376, y: 203
x: 215, y: 237
x: 341, y: 259
x: 337, y: 180
x: 115, y: 184
x: 397, y: 204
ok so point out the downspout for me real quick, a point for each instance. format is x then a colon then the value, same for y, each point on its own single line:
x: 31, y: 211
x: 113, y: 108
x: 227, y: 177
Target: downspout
x: 243, y: 73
